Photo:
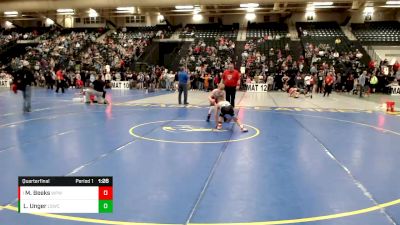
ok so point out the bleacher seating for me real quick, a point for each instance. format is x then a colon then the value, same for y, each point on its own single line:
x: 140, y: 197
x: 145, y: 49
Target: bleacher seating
x: 329, y: 37
x: 206, y: 31
x: 267, y: 39
x: 160, y: 31
x: 209, y: 53
x: 262, y: 30
x: 320, y: 29
x: 11, y: 36
x: 385, y: 32
x: 61, y: 47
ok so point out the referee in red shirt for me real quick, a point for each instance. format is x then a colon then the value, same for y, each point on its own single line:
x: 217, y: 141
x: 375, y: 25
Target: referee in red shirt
x: 231, y: 79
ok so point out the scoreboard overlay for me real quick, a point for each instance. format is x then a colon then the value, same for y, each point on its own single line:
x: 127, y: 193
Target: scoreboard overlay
x: 65, y: 194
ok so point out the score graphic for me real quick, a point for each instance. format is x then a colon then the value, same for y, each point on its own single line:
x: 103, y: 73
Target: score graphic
x: 65, y: 194
x: 105, y: 199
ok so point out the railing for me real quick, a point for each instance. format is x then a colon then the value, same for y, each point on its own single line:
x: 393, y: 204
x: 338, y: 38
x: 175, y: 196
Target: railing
x: 371, y: 52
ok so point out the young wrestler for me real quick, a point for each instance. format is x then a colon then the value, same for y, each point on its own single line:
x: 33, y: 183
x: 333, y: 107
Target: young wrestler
x: 217, y: 93
x: 224, y: 113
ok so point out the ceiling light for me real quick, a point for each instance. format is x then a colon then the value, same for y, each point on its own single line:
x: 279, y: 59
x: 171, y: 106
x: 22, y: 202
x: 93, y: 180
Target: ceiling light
x: 393, y: 3
x: 250, y: 16
x: 8, y: 24
x: 322, y: 3
x: 369, y: 10
x: 391, y: 6
x: 11, y: 13
x: 324, y: 7
x: 310, y: 8
x: 182, y: 10
x: 93, y: 13
x: 355, y: 5
x: 249, y: 5
x: 276, y: 6
x: 160, y: 17
x: 184, y: 7
x: 197, y: 17
x: 197, y: 10
x: 310, y: 14
x: 49, y: 21
x: 125, y: 8
x: 65, y: 10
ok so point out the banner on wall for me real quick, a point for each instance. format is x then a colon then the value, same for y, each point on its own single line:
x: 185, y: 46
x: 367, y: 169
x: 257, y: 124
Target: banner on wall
x: 120, y: 84
x: 396, y: 90
x: 5, y: 82
x: 257, y: 87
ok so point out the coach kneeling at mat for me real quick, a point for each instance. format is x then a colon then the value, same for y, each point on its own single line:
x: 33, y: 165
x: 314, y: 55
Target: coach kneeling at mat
x: 98, y: 91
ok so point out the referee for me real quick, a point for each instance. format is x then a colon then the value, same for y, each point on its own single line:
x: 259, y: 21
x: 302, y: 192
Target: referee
x: 231, y: 79
x: 183, y: 78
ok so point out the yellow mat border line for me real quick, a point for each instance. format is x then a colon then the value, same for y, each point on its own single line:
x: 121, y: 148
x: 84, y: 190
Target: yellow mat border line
x: 131, y: 131
x: 274, y: 222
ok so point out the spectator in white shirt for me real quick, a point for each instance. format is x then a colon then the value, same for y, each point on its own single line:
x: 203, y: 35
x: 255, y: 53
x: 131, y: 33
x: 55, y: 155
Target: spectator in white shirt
x: 359, y: 55
x: 308, y: 82
x: 270, y: 83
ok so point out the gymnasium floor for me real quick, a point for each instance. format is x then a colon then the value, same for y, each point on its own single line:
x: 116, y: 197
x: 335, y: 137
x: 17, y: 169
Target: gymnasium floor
x: 319, y: 161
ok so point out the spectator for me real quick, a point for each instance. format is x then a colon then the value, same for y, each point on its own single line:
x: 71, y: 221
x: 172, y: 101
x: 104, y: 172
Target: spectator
x: 60, y: 82
x: 308, y: 80
x: 49, y: 78
x: 328, y: 84
x: 349, y: 83
x: 270, y: 83
x: 320, y: 81
x: 23, y: 80
x: 361, y: 82
x: 167, y: 80
x: 171, y: 79
x: 373, y: 83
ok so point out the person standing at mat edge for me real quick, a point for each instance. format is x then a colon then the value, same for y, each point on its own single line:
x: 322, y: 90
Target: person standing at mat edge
x: 231, y: 80
x: 60, y: 80
x: 328, y: 84
x: 183, y: 78
x: 23, y: 80
x: 361, y: 82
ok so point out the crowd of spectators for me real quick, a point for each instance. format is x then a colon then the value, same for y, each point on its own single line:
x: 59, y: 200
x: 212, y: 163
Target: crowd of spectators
x: 130, y: 45
x: 4, y: 75
x: 60, y: 50
x: 341, y: 71
x: 7, y: 37
x: 80, y: 57
x: 206, y: 59
x: 269, y: 66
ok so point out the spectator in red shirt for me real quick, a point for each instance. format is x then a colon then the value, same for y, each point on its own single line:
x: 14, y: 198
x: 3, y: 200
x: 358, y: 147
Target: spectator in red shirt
x: 231, y: 79
x: 371, y: 64
x: 197, y: 50
x: 396, y: 66
x: 328, y: 84
x: 60, y: 80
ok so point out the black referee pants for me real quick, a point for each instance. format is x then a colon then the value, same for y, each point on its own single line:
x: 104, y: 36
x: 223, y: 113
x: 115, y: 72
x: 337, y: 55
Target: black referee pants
x: 230, y: 95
